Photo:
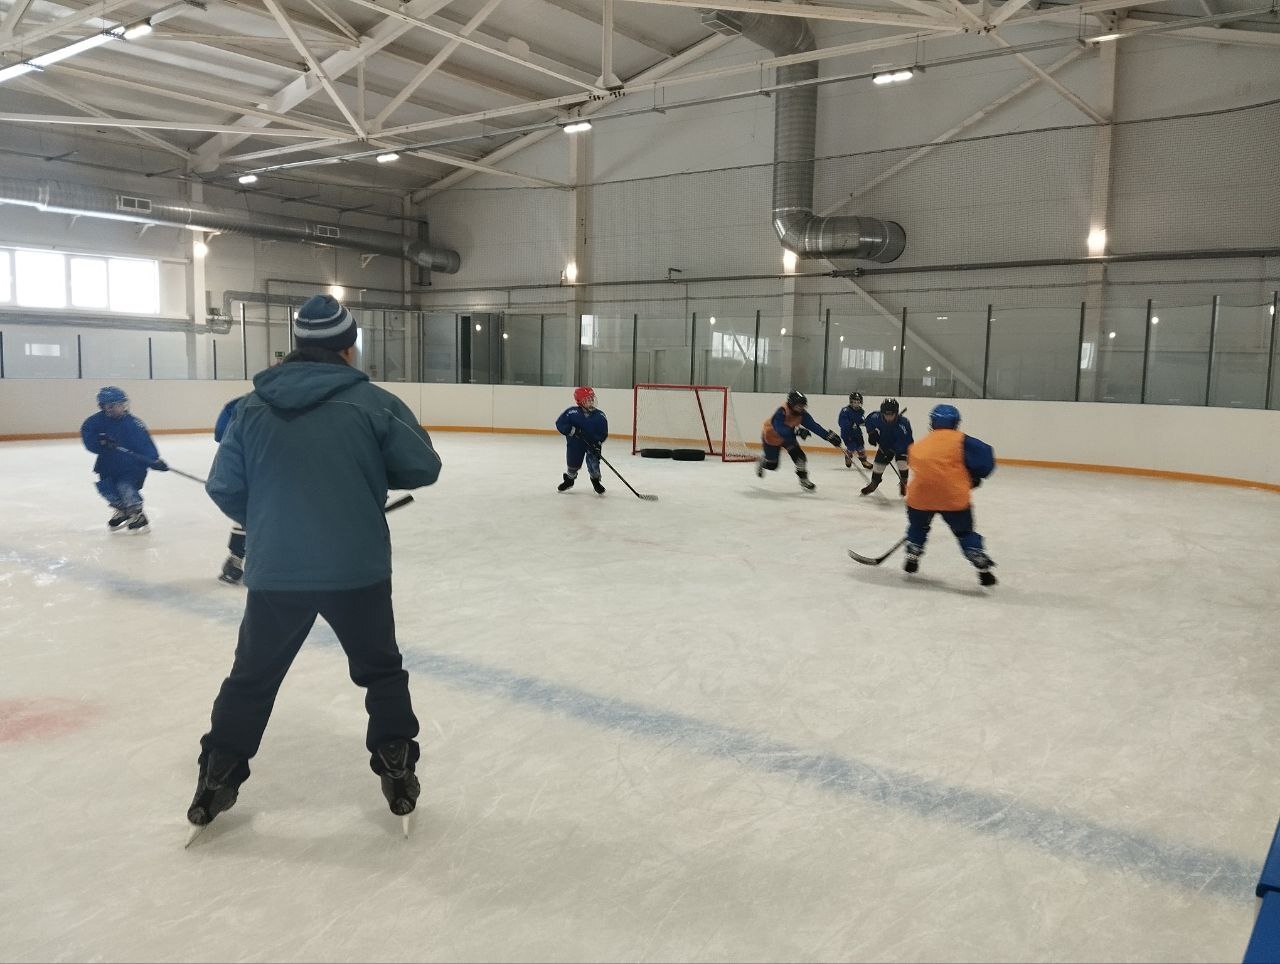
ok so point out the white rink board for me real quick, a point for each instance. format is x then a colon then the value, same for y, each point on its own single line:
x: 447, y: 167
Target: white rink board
x: 683, y: 730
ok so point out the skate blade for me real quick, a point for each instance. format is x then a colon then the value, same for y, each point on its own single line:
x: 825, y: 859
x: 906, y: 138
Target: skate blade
x: 195, y: 832
x: 404, y: 825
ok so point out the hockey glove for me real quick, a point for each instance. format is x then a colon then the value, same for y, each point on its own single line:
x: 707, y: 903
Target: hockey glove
x: 160, y: 465
x: 974, y: 483
x: 834, y: 439
x: 873, y: 437
x: 105, y: 441
x: 802, y: 433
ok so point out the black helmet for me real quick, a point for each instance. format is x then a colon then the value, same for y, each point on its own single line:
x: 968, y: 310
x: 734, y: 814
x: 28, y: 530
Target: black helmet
x: 889, y: 406
x: 855, y: 398
x: 797, y: 399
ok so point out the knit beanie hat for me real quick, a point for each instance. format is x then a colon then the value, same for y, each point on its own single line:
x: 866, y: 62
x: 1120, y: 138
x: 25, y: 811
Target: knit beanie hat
x: 323, y: 323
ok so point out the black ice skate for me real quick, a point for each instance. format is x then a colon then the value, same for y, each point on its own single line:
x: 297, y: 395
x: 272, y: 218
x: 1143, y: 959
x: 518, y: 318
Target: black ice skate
x: 598, y: 486
x: 118, y: 518
x: 863, y: 460
x: 232, y: 571
x: 760, y: 468
x: 566, y: 485
x: 986, y: 577
x: 871, y: 486
x: 912, y: 562
x: 848, y: 460
x: 216, y: 791
x: 805, y: 483
x: 137, y: 524
x: 399, y: 784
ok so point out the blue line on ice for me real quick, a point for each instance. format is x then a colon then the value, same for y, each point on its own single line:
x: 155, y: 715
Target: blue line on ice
x: 1060, y: 834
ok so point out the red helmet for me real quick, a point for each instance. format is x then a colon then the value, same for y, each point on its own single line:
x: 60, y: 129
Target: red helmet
x: 583, y: 395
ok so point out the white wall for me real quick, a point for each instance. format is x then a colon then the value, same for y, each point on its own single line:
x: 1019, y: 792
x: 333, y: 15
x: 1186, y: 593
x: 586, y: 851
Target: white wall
x: 1160, y: 438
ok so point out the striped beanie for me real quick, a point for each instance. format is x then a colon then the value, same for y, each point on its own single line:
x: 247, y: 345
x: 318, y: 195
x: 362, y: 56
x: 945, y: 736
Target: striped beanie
x: 323, y: 323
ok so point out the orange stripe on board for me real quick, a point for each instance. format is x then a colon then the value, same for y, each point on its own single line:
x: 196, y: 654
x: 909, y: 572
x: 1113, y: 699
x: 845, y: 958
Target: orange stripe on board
x: 1025, y: 463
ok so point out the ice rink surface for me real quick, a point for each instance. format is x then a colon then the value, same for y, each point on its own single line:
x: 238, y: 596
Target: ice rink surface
x: 683, y: 730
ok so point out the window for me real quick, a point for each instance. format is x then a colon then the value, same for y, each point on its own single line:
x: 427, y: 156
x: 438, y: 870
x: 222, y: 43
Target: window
x: 135, y: 286
x: 588, y: 331
x: 6, y: 278
x: 1088, y: 352
x: 89, y: 283
x: 43, y: 351
x: 862, y: 358
x: 727, y: 344
x: 42, y: 279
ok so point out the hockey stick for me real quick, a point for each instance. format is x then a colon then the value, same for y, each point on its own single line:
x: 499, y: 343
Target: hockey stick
x: 875, y: 561
x: 638, y: 495
x: 151, y: 464
x: 399, y: 503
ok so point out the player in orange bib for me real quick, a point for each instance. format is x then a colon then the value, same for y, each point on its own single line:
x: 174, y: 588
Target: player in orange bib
x: 790, y: 423
x: 945, y: 465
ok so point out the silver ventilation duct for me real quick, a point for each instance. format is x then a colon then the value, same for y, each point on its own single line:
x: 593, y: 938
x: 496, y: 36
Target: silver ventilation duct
x: 90, y: 202
x: 795, y: 132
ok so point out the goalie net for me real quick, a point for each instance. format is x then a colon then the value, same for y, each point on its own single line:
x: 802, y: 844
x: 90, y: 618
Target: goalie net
x: 688, y: 416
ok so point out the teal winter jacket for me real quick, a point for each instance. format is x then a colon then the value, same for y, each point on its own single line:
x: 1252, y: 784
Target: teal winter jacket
x: 305, y: 468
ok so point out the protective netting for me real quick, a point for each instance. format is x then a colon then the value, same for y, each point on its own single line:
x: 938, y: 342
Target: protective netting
x: 691, y: 417
x: 1201, y: 182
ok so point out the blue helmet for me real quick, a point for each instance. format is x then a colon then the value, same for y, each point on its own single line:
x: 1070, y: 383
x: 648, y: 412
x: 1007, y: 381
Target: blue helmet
x: 944, y: 416
x: 111, y: 396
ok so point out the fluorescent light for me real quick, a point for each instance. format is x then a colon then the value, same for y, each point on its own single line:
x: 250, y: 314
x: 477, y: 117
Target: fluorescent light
x: 505, y: 336
x: 842, y: 337
x: 1155, y: 320
x: 140, y: 29
x: 479, y: 327
x: 893, y: 76
x: 1097, y: 241
x: 79, y: 47
x: 789, y: 260
x: 784, y: 331
x: 577, y: 127
x: 388, y: 158
x: 713, y: 319
x: 337, y: 291
x: 16, y: 70
x: 1111, y: 334
x: 1103, y: 38
x: 928, y: 368
x: 200, y: 249
x: 571, y: 272
x: 248, y: 179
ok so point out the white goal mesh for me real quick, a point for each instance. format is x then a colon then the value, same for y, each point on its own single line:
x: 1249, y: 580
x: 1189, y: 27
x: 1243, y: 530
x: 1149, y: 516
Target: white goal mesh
x: 689, y: 417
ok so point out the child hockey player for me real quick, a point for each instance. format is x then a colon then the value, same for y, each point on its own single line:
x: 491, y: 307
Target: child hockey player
x: 121, y: 475
x: 890, y: 433
x: 233, y: 568
x: 790, y: 423
x: 851, y: 419
x: 585, y: 429
x: 946, y: 465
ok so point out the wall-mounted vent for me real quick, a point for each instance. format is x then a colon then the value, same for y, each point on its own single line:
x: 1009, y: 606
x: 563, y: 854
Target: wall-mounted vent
x: 134, y: 205
x: 327, y: 231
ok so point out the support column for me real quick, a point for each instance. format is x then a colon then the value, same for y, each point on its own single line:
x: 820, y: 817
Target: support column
x: 580, y: 166
x: 1099, y: 217
x: 197, y: 297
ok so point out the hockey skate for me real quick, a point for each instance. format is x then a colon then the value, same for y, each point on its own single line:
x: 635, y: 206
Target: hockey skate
x: 760, y: 468
x: 399, y: 784
x: 805, y: 484
x: 137, y: 524
x: 863, y: 460
x: 118, y: 519
x: 912, y: 563
x: 216, y: 791
x: 871, y: 486
x: 567, y: 484
x: 597, y: 485
x: 232, y: 571
x: 848, y: 460
x: 982, y: 562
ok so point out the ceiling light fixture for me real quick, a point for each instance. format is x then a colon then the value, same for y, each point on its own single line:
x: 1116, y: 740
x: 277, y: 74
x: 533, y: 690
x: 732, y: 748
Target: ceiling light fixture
x: 577, y: 127
x: 123, y: 32
x: 894, y: 76
x: 388, y: 158
x: 248, y: 179
x: 140, y: 29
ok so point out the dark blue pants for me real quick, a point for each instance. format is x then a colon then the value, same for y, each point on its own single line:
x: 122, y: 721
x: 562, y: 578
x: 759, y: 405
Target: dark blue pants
x: 122, y: 494
x: 575, y: 452
x: 960, y: 521
x: 773, y: 454
x: 274, y: 627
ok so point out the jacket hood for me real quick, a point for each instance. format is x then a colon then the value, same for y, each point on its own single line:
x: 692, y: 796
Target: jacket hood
x: 298, y: 386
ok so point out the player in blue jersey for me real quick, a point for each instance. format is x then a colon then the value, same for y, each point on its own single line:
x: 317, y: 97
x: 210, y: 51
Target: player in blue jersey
x: 890, y: 432
x: 585, y: 429
x: 851, y: 419
x: 121, y: 474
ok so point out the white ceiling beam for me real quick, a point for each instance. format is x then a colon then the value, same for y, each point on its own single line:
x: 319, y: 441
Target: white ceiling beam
x: 1067, y: 94
x: 174, y: 93
x: 1074, y: 10
x: 179, y: 36
x: 297, y: 90
x: 608, y: 79
x: 13, y: 17
x: 475, y: 44
x: 1224, y: 35
x: 920, y: 6
x: 141, y: 124
x: 148, y: 138
x: 965, y: 16
x: 343, y: 27
x: 953, y: 132
x: 435, y: 63
x: 1008, y: 10
x: 97, y: 11
x: 591, y: 15
x: 317, y: 69
x: 813, y: 11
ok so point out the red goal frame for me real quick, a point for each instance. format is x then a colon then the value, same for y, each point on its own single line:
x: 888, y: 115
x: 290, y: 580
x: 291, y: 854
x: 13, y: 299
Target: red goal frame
x: 713, y: 445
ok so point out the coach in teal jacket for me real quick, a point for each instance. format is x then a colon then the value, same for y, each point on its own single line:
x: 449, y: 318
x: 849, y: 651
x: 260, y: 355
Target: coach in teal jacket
x: 305, y: 467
